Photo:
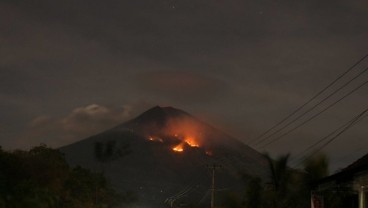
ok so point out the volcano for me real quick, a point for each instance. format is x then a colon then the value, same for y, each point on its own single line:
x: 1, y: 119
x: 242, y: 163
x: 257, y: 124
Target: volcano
x: 166, y: 157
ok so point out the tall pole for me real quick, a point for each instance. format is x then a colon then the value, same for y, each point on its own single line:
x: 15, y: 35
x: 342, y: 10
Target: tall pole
x: 213, y: 167
x: 361, y: 197
x: 213, y: 188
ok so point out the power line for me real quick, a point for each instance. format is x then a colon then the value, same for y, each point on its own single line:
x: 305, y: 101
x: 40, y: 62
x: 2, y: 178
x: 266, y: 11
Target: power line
x: 343, y: 128
x: 357, y: 120
x: 358, y: 150
x: 314, y: 106
x: 351, y: 124
x: 324, y: 138
x: 310, y: 100
x: 204, y: 196
x: 171, y: 200
x: 315, y: 115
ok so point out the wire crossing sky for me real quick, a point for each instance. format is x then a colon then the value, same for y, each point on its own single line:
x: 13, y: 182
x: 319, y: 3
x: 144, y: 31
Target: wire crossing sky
x: 309, y: 101
x: 302, y: 156
x: 317, y: 114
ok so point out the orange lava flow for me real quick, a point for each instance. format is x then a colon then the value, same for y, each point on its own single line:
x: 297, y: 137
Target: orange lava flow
x: 178, y: 148
x: 155, y: 139
x: 191, y: 142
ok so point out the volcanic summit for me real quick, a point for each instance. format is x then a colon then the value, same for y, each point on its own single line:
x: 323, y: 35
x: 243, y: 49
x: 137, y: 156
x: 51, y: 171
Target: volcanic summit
x: 164, y: 155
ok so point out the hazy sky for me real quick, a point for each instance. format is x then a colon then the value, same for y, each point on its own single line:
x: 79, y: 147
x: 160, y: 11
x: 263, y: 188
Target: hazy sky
x: 71, y: 68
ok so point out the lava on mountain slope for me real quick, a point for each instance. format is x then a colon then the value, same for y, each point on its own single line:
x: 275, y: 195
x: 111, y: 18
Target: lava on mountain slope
x: 179, y: 148
x: 157, y: 167
x: 179, y: 133
x: 190, y: 141
x: 183, y: 142
x: 155, y: 139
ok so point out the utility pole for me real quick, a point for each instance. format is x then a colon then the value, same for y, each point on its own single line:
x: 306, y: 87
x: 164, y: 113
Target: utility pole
x: 213, y: 168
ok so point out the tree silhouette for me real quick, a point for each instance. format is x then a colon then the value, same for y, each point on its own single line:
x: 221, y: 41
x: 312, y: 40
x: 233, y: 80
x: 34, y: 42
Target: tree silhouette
x: 287, y: 187
x: 41, y: 178
x: 105, y: 152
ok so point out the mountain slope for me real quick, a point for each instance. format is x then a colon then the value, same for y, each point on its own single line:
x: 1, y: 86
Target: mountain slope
x: 169, y: 151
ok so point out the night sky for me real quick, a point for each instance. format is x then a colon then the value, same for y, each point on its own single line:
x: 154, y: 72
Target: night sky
x: 72, y: 68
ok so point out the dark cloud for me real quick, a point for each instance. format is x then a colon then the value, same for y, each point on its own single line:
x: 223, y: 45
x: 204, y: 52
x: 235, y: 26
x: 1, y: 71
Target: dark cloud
x: 80, y: 123
x: 184, y: 87
x: 244, y: 63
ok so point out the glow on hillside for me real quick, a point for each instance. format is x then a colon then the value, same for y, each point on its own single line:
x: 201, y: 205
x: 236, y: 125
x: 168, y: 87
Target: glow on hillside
x: 187, y: 141
x: 191, y: 142
x: 155, y: 139
x: 179, y: 148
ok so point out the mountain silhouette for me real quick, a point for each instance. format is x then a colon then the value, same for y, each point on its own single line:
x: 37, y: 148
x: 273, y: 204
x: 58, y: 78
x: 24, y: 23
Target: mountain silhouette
x: 164, y: 157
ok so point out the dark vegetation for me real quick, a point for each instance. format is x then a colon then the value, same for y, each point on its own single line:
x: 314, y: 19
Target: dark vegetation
x: 41, y: 178
x: 106, y: 152
x: 287, y: 188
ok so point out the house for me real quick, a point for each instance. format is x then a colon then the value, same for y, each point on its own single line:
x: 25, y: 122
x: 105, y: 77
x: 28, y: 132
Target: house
x: 346, y: 189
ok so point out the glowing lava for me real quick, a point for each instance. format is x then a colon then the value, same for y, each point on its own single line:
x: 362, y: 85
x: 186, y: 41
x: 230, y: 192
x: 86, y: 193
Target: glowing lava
x: 179, y: 148
x: 191, y: 142
x: 155, y: 139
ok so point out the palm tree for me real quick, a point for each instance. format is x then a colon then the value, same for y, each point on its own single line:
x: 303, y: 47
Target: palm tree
x: 280, y: 179
x: 107, y: 152
x: 287, y: 187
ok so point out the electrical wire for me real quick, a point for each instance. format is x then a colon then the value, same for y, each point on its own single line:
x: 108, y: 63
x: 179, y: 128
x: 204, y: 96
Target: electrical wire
x: 315, y: 115
x: 184, y: 191
x: 313, y: 107
x: 346, y: 126
x: 309, y: 101
x: 204, y: 196
x: 326, y: 137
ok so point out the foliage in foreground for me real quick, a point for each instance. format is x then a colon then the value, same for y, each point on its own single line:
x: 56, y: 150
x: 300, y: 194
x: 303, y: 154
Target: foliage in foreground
x: 287, y: 187
x: 41, y: 178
